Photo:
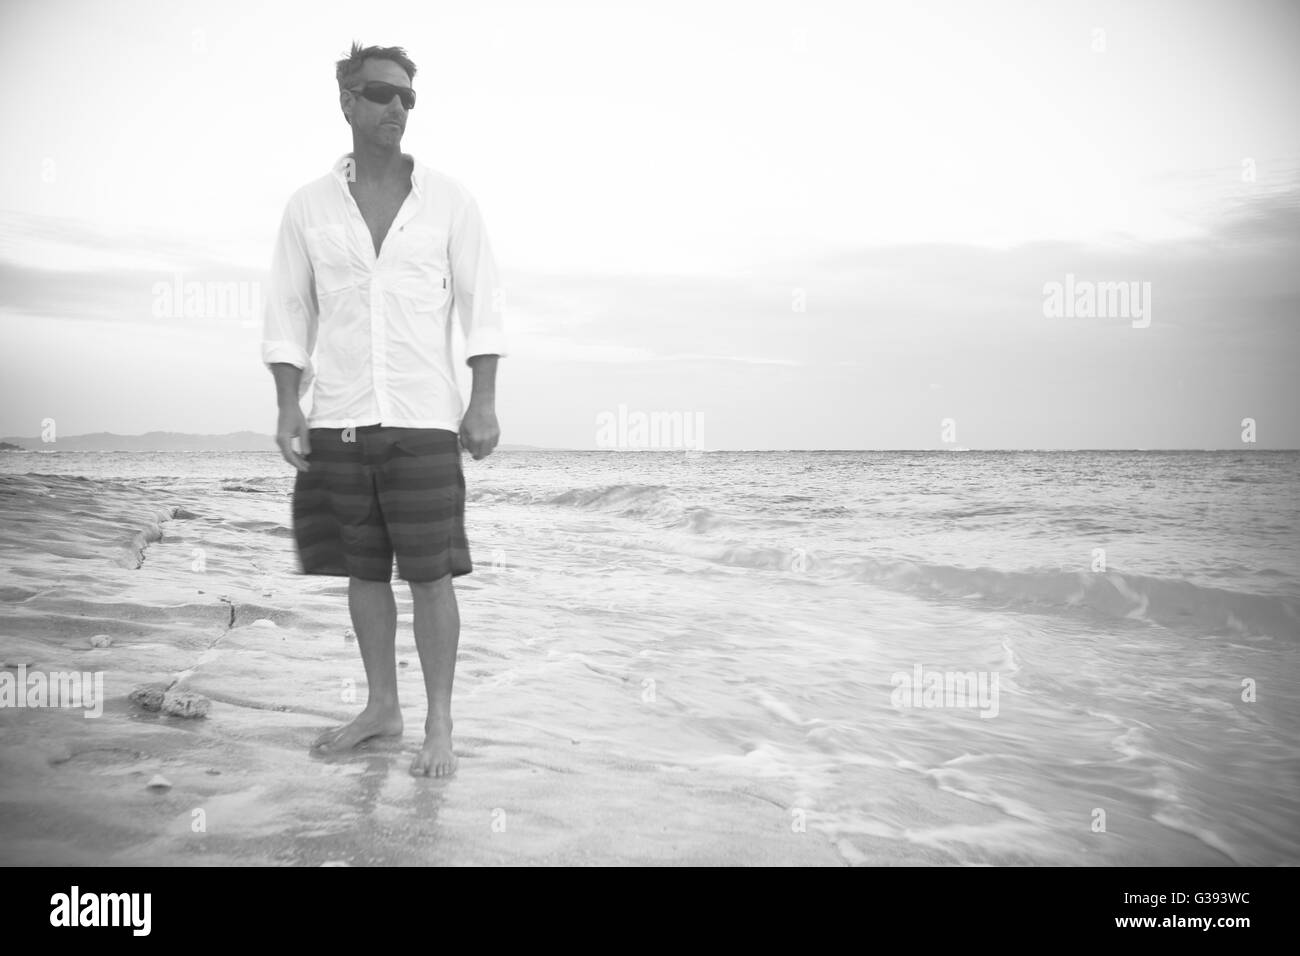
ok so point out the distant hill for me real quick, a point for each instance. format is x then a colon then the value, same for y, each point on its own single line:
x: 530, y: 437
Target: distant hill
x: 165, y: 441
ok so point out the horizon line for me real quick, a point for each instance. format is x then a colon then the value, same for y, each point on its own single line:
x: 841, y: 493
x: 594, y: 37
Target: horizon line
x: 525, y: 446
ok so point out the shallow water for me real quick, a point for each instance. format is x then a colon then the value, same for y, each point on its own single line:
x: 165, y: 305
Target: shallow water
x: 761, y: 615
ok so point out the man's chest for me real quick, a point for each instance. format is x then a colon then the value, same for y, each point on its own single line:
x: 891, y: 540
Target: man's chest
x: 414, y: 269
x: 379, y: 207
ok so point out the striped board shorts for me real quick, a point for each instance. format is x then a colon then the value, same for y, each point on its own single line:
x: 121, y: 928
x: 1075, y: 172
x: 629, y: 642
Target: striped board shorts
x: 390, y: 492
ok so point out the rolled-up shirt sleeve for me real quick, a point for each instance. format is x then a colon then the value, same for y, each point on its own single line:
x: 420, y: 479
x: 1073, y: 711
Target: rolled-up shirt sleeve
x: 475, y: 290
x: 291, y: 318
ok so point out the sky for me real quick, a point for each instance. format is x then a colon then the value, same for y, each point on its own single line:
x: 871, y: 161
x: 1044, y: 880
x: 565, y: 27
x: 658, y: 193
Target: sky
x: 806, y: 225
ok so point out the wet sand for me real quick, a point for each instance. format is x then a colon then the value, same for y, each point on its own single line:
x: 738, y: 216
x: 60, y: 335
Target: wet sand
x: 200, y: 593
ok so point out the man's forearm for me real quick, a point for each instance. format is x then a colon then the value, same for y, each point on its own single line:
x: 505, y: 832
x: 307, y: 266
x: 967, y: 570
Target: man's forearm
x: 287, y: 379
x: 483, y: 393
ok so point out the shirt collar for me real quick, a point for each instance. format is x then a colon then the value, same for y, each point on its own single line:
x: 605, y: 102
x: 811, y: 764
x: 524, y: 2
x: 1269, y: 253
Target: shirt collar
x: 417, y: 172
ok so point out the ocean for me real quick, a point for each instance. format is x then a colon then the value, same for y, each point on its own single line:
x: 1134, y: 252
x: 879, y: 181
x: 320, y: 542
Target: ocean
x: 1062, y: 658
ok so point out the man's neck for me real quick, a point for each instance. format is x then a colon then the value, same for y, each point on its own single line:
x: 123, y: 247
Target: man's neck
x: 379, y: 166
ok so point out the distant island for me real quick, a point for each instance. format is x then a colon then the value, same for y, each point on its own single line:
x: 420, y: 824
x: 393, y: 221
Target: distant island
x: 166, y: 441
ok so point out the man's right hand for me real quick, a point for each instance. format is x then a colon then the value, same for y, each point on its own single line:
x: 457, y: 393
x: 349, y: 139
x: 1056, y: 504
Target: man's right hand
x: 293, y: 424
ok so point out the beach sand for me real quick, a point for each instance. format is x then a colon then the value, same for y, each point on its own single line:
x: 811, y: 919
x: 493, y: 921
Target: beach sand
x: 205, y: 603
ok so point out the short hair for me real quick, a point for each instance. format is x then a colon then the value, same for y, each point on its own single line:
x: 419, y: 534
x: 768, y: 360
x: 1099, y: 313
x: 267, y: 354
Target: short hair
x: 347, y: 69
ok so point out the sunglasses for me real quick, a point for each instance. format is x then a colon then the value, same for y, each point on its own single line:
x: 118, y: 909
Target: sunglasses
x: 383, y: 93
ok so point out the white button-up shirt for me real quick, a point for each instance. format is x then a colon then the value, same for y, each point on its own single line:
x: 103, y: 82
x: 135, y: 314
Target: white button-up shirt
x: 374, y: 333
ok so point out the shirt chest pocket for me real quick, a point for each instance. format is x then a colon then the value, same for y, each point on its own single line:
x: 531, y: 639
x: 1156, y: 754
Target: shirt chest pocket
x: 331, y: 260
x: 422, y: 273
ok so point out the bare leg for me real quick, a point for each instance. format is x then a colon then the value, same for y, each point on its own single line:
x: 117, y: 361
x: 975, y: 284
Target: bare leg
x: 437, y: 635
x: 374, y: 617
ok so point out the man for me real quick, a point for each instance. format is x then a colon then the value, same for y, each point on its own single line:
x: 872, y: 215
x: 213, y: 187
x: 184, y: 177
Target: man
x: 369, y: 263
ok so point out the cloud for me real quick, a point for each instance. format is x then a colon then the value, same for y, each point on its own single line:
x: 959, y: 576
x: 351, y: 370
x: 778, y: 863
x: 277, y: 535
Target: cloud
x: 831, y: 307
x: 77, y: 246
x: 1269, y: 219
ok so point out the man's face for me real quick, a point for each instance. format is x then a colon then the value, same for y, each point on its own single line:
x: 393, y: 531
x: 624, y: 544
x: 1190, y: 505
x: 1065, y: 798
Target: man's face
x: 380, y: 123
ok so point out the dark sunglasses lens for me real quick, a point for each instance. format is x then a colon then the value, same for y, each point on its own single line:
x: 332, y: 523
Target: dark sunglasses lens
x: 384, y: 92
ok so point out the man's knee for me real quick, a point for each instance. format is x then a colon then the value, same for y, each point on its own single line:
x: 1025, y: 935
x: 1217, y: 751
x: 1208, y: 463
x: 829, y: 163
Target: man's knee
x: 369, y: 582
x: 439, y: 586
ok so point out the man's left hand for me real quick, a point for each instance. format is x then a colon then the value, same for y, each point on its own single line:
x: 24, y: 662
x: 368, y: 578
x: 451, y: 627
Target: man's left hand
x: 479, y: 432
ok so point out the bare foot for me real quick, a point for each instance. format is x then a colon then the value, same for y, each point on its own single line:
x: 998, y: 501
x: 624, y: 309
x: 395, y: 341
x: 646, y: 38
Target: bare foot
x: 369, y: 723
x: 435, y: 758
